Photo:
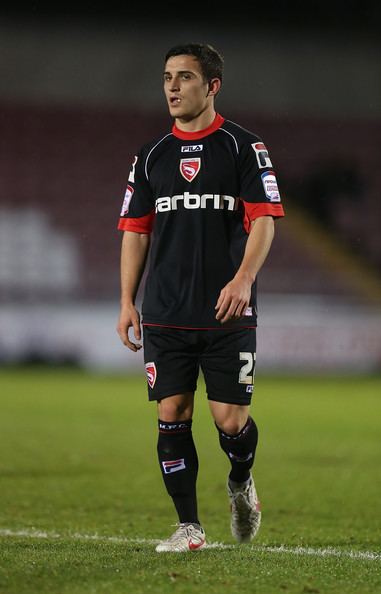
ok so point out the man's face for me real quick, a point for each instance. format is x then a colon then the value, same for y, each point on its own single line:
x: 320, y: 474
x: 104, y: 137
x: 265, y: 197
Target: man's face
x: 185, y: 89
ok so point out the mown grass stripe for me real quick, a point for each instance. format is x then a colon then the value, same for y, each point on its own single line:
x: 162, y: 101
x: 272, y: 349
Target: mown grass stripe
x: 318, y: 552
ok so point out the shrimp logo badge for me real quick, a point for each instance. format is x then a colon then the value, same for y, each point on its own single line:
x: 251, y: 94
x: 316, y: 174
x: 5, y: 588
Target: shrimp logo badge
x: 189, y: 168
x: 151, y: 373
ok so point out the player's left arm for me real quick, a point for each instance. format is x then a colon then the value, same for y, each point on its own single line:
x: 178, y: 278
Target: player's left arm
x: 235, y: 297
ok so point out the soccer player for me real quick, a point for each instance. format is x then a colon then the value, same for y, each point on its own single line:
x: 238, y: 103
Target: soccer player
x: 201, y: 201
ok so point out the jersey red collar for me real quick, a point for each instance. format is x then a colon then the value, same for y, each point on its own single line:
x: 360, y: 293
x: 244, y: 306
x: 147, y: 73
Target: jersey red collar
x: 217, y: 123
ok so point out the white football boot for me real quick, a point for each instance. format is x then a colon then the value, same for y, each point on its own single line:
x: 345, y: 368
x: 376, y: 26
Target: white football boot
x: 245, y: 510
x: 187, y: 537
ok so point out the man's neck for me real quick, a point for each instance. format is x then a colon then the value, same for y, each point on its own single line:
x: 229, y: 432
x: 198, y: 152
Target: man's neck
x: 199, y: 122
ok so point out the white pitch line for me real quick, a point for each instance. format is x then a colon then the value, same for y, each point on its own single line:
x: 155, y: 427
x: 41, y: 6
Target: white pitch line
x: 327, y: 552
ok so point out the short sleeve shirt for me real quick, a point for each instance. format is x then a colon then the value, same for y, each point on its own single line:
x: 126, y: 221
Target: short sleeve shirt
x: 197, y: 193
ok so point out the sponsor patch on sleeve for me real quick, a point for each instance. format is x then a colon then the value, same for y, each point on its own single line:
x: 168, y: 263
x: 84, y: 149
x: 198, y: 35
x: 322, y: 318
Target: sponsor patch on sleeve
x: 262, y: 155
x: 270, y: 186
x: 127, y: 200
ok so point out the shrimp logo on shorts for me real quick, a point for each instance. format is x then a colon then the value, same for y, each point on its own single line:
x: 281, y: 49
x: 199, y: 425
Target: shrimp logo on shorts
x: 151, y: 373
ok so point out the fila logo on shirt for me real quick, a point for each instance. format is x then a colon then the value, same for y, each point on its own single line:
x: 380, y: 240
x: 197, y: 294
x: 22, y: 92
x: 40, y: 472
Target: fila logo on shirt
x: 262, y: 155
x: 192, y: 148
x: 194, y: 201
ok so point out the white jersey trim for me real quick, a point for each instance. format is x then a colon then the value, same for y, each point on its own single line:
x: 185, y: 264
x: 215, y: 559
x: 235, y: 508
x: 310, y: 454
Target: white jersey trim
x: 152, y: 149
x: 233, y: 137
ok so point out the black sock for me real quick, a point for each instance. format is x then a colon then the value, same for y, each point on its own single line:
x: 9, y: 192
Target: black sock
x: 179, y: 466
x: 240, y: 449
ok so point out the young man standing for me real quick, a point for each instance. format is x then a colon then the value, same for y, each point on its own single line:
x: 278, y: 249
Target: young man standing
x: 203, y: 199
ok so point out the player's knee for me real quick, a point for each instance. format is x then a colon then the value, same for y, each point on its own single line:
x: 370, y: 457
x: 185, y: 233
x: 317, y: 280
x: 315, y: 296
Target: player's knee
x: 175, y: 408
x: 231, y: 426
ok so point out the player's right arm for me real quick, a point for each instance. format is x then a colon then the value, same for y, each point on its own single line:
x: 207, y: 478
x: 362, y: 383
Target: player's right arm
x: 134, y: 253
x: 136, y: 222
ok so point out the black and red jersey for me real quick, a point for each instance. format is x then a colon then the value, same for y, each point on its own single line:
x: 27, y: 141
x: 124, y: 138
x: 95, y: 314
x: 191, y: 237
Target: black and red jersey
x: 196, y: 193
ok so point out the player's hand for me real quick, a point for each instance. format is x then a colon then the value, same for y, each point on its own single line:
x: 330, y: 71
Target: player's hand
x: 129, y: 317
x: 233, y: 299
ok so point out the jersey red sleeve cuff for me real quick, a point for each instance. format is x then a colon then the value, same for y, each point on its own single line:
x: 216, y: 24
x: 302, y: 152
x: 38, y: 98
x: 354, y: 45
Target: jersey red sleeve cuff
x: 138, y: 225
x: 255, y: 210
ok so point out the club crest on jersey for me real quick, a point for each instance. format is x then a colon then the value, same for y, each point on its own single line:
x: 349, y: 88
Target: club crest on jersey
x: 127, y: 200
x: 270, y: 186
x: 189, y: 168
x: 151, y: 373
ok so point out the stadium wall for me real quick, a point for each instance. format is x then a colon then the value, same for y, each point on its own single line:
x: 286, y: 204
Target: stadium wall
x: 295, y: 335
x: 275, y: 70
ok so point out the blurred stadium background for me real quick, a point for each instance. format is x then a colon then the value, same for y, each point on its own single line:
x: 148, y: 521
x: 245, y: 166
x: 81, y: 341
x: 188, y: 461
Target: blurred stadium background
x: 80, y: 91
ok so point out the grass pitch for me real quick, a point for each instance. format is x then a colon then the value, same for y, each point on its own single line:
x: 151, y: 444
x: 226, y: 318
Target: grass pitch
x: 82, y: 499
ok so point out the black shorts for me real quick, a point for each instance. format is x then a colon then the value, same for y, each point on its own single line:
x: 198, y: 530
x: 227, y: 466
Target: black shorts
x: 173, y: 358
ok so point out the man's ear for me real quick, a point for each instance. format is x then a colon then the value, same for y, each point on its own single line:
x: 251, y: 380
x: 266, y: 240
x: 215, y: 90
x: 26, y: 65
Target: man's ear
x: 214, y: 86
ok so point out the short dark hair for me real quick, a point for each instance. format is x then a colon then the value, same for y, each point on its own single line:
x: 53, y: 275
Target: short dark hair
x: 210, y: 60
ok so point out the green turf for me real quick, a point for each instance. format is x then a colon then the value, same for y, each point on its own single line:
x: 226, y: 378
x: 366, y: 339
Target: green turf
x: 78, y: 459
